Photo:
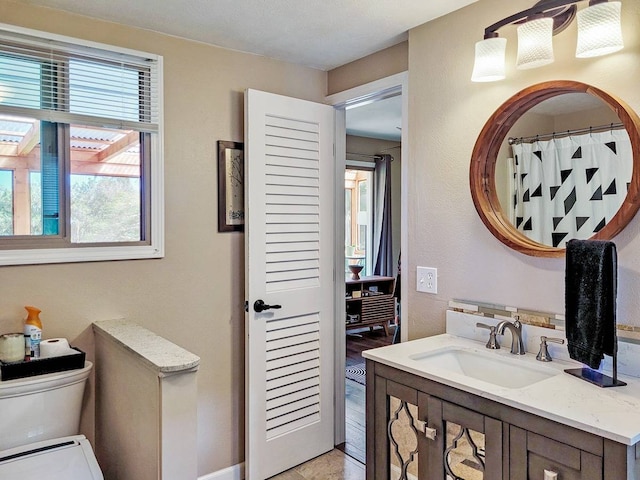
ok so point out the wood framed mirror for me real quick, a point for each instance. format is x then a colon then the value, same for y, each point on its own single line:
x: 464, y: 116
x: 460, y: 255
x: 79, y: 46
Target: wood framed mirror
x: 504, y: 218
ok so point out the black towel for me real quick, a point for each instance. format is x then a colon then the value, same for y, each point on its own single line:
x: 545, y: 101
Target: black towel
x: 590, y: 300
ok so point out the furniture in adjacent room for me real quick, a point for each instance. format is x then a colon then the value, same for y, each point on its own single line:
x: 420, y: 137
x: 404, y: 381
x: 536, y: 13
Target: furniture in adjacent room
x: 370, y: 302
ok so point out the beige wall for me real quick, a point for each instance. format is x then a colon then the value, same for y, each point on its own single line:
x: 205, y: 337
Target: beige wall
x: 194, y: 296
x: 373, y: 146
x: 585, y: 119
x: 446, y: 113
x: 378, y: 65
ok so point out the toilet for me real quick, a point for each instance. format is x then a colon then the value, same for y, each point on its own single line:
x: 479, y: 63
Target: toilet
x: 39, y: 421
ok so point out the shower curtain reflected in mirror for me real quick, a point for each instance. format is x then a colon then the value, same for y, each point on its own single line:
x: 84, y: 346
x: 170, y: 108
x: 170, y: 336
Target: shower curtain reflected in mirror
x: 569, y: 187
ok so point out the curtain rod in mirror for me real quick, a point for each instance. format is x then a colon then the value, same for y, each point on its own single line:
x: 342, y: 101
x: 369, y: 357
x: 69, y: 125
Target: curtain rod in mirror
x: 566, y: 133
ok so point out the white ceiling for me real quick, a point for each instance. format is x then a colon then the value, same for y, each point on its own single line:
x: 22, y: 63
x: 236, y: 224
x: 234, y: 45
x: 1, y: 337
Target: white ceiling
x: 381, y: 119
x: 322, y: 34
x: 568, y: 103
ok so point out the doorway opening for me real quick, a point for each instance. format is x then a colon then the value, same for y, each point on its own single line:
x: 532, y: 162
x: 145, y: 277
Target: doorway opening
x: 372, y: 238
x: 345, y: 103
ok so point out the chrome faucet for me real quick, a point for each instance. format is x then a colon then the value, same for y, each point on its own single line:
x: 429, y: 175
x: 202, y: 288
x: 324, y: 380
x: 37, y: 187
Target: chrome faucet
x: 517, y: 345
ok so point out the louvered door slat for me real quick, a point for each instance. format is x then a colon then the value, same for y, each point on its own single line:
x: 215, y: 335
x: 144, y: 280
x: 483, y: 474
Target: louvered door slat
x: 293, y: 359
x: 299, y: 157
x: 312, y: 391
x: 292, y: 388
x: 292, y: 422
x: 297, y: 406
x: 287, y: 171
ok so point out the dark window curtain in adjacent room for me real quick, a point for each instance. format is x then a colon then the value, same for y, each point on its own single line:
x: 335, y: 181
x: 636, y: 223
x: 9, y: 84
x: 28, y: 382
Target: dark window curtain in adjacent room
x: 382, y: 238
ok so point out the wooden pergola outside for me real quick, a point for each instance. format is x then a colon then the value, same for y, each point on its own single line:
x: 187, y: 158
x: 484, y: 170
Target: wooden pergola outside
x: 94, y: 151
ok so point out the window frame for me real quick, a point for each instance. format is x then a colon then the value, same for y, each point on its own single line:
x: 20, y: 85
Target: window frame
x: 58, y: 248
x: 369, y: 169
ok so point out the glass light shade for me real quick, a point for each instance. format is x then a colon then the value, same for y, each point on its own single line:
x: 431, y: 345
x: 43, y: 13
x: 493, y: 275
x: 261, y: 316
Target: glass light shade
x: 599, y: 31
x: 489, y: 63
x: 535, y: 45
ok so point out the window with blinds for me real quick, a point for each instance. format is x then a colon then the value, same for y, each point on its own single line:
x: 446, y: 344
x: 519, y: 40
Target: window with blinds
x: 80, y: 150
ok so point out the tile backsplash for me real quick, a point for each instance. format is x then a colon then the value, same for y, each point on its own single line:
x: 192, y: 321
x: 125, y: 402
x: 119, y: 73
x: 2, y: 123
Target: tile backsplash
x: 630, y: 333
x: 462, y: 322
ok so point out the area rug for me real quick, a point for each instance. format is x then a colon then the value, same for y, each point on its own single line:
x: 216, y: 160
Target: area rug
x: 357, y: 373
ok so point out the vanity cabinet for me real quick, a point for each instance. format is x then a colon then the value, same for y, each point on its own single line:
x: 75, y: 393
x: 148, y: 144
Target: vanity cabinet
x: 449, y: 433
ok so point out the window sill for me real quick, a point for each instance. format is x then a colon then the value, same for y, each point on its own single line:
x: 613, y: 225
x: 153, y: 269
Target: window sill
x: 79, y: 254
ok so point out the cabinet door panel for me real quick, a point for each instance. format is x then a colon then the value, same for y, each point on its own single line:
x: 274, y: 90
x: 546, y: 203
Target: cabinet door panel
x: 590, y: 468
x: 540, y: 453
x: 472, y: 445
x: 435, y: 448
x: 554, y: 451
x: 495, y: 450
x: 462, y: 416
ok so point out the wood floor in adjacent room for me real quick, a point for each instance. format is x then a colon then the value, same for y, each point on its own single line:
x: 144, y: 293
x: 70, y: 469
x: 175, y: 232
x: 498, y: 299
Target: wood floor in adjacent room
x: 355, y: 408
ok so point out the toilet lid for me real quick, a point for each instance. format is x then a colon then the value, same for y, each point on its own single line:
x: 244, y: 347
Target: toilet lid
x: 67, y: 458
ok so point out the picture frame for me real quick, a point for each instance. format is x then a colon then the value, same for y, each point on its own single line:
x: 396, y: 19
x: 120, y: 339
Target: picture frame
x: 230, y: 186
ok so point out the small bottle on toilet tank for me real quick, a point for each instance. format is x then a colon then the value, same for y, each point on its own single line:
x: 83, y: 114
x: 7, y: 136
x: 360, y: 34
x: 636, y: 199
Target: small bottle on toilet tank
x: 32, y: 333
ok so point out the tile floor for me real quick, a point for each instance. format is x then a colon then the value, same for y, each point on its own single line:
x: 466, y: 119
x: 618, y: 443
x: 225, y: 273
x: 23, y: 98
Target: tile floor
x: 334, y: 465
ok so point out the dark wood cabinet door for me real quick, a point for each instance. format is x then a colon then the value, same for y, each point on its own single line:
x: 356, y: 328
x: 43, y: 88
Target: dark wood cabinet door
x: 532, y: 455
x: 468, y: 445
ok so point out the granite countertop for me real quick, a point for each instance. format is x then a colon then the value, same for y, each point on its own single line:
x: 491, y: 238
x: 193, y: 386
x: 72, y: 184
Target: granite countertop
x: 613, y: 413
x: 156, y: 352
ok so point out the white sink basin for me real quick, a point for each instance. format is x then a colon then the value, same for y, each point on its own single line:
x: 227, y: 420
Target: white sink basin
x: 490, y: 367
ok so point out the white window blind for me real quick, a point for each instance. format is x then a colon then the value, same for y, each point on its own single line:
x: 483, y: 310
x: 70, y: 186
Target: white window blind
x: 57, y: 81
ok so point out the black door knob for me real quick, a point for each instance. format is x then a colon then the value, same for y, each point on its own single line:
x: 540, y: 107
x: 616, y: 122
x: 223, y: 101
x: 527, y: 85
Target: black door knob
x: 260, y: 306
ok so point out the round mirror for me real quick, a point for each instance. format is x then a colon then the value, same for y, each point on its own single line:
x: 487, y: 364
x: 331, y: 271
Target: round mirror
x: 558, y: 160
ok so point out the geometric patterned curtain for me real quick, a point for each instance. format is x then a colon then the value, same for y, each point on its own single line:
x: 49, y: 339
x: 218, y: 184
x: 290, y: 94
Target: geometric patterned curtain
x: 570, y: 187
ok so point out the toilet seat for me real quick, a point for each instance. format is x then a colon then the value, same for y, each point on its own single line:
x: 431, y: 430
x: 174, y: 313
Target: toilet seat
x: 66, y: 458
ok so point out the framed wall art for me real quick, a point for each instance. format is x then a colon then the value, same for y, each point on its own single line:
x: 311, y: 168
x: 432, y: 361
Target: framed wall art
x: 230, y: 186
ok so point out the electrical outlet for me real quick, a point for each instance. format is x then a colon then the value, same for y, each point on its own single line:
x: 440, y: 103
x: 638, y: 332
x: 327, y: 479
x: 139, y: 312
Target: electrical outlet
x: 427, y: 280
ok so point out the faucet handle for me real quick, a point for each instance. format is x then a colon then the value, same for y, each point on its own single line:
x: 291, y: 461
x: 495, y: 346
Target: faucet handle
x: 516, y: 321
x: 493, y: 341
x: 543, y: 354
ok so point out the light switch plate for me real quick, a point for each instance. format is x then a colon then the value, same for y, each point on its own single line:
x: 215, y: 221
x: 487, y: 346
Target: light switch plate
x: 427, y: 280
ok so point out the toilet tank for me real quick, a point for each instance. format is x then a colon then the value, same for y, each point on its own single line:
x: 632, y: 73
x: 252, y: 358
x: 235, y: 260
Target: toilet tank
x: 40, y: 408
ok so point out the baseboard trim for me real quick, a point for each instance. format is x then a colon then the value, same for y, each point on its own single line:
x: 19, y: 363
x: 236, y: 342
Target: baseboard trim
x: 235, y: 472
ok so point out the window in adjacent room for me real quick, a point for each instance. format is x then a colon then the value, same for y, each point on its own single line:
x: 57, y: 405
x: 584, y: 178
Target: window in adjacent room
x: 358, y: 218
x: 80, y: 151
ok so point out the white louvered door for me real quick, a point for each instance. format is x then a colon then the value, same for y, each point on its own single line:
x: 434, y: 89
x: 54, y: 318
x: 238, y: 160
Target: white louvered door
x: 289, y: 225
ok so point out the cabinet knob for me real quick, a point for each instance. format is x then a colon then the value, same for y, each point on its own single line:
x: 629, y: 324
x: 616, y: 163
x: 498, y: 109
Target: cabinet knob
x: 429, y: 432
x: 550, y: 475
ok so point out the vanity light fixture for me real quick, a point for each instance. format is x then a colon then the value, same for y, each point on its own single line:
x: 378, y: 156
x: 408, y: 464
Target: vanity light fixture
x: 599, y: 33
x: 535, y: 45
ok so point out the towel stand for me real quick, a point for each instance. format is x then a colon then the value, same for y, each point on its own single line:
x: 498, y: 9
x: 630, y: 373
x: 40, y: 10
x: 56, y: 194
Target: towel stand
x: 597, y: 378
x: 593, y: 376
